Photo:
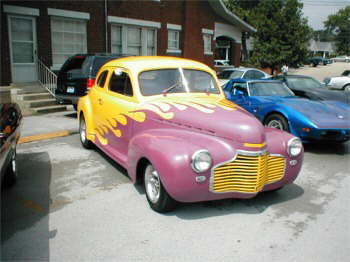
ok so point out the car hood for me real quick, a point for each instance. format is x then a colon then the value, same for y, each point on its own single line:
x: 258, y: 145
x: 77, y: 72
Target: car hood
x: 212, y: 115
x: 324, y: 114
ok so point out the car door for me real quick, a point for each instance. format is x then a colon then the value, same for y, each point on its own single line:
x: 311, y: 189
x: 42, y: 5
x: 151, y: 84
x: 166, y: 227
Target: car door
x: 239, y: 94
x: 115, y: 109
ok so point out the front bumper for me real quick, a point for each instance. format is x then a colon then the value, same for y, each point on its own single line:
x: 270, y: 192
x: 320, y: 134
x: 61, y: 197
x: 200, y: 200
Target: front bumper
x: 326, y: 135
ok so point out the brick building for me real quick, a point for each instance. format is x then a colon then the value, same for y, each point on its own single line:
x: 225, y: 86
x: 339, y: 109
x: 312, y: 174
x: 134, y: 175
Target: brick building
x: 54, y: 30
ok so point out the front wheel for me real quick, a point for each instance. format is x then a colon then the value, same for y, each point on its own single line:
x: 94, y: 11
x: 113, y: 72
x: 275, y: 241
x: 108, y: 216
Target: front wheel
x: 347, y: 88
x: 82, y: 132
x: 10, y: 176
x: 157, y: 197
x: 277, y: 121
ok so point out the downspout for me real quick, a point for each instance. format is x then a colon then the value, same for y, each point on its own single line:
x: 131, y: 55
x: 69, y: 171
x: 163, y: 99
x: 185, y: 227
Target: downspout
x: 106, y: 26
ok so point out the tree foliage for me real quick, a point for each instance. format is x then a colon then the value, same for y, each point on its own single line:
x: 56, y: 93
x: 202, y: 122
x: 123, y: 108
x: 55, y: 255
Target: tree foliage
x: 282, y: 35
x: 339, y: 24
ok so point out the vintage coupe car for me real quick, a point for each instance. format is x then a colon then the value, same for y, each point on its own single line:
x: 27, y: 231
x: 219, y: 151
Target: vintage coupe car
x: 339, y: 82
x: 308, y: 87
x: 10, y: 119
x: 275, y: 105
x: 168, y: 123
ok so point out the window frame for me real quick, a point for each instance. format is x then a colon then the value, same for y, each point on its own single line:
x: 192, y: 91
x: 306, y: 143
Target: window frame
x: 54, y: 31
x: 118, y: 93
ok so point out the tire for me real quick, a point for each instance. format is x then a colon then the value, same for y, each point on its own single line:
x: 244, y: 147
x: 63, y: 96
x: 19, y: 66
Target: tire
x: 157, y: 197
x: 10, y: 176
x: 347, y: 88
x: 82, y: 133
x: 277, y: 121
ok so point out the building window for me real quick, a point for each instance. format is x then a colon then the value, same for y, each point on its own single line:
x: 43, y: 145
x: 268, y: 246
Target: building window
x: 132, y: 40
x: 173, y: 40
x: 207, y: 41
x: 116, y: 40
x: 151, y: 42
x: 68, y: 37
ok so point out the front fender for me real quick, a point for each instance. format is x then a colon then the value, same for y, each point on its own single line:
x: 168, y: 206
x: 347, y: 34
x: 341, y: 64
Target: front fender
x: 170, y: 152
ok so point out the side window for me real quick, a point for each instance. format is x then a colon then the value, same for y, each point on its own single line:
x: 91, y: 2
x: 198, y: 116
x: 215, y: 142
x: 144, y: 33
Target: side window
x: 102, y: 79
x: 258, y: 75
x: 120, y: 83
x: 249, y: 74
x: 240, y: 87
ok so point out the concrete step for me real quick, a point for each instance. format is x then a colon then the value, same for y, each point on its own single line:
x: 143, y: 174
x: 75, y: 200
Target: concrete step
x: 49, y: 109
x: 36, y: 96
x: 31, y: 90
x: 41, y: 103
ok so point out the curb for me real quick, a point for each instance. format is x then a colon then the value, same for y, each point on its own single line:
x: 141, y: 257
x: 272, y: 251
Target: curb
x: 46, y: 136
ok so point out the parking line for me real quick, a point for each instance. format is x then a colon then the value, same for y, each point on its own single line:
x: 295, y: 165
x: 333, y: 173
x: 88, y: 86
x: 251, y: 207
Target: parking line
x: 27, y: 139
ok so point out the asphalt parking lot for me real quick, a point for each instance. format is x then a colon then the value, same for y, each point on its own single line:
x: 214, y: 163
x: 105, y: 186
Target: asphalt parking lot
x: 73, y: 204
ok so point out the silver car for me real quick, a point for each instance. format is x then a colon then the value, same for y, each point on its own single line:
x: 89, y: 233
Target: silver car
x: 342, y: 58
x: 339, y: 82
x: 241, y: 72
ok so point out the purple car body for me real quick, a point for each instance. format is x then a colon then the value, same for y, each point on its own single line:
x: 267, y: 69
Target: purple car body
x: 167, y: 131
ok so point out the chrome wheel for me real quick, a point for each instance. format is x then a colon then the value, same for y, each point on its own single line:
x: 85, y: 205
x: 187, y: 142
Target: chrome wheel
x: 82, y: 131
x: 275, y: 124
x: 152, y: 184
x: 14, y: 165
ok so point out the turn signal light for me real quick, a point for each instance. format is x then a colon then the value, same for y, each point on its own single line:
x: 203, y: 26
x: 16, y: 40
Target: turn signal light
x: 305, y: 129
x: 90, y: 82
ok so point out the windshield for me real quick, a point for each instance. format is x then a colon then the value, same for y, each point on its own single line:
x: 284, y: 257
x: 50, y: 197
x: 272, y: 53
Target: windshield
x: 269, y: 89
x: 296, y: 82
x: 177, y: 80
x: 228, y: 74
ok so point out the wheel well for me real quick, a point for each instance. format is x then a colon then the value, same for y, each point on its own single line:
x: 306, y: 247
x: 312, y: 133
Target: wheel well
x: 274, y: 113
x: 140, y: 169
x: 346, y: 86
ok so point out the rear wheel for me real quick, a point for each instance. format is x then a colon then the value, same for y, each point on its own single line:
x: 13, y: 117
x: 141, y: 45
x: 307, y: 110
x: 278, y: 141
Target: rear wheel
x: 347, y: 88
x: 277, y: 121
x: 10, y: 176
x: 157, y: 197
x: 82, y: 131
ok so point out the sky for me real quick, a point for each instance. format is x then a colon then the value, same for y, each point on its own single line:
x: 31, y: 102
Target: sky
x: 317, y: 11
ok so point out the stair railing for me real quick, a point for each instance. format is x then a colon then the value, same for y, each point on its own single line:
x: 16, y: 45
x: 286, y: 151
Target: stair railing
x: 46, y: 77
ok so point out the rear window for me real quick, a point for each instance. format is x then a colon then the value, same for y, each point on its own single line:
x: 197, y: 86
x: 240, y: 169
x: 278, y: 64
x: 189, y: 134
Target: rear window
x: 72, y: 64
x: 98, y: 63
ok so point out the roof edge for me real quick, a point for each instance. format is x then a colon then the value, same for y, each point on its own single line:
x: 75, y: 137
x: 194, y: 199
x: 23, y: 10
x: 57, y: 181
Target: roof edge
x: 220, y: 8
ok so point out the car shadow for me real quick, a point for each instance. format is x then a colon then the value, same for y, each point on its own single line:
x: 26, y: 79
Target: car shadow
x: 256, y: 205
x: 328, y: 148
x: 71, y: 115
x: 25, y: 207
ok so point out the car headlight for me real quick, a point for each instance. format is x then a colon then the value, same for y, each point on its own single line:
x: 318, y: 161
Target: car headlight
x: 294, y: 146
x: 201, y: 161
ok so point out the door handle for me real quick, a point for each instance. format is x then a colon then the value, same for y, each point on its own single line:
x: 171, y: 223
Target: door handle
x: 100, y: 101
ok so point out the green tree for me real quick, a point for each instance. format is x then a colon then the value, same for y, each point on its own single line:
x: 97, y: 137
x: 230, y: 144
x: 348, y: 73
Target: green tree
x: 245, y: 10
x: 282, y: 34
x: 339, y: 24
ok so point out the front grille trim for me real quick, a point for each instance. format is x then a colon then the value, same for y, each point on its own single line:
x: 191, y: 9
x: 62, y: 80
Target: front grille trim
x: 273, y: 178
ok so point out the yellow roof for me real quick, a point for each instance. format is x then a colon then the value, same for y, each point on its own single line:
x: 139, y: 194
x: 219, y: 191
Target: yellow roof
x: 141, y: 63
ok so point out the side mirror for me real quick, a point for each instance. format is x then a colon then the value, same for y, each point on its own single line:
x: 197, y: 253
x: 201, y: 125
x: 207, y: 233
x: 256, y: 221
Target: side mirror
x: 240, y: 93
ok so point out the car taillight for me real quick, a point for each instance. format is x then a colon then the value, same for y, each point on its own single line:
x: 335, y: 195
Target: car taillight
x: 90, y: 82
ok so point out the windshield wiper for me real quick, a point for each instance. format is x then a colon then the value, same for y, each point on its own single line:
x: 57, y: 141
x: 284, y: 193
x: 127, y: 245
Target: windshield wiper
x: 177, y: 84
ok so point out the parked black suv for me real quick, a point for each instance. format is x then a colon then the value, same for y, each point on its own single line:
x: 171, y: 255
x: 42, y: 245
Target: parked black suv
x: 78, y: 74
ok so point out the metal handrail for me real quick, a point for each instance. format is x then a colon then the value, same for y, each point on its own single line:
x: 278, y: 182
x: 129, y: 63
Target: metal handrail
x: 46, y: 77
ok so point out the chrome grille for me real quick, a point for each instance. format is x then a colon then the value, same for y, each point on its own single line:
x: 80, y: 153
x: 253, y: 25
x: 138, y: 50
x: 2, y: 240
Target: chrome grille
x: 247, y: 173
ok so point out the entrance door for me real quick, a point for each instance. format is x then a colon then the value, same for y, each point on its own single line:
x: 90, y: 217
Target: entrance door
x: 22, y: 35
